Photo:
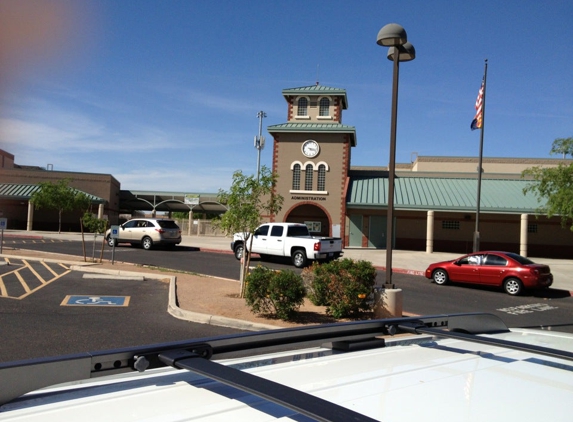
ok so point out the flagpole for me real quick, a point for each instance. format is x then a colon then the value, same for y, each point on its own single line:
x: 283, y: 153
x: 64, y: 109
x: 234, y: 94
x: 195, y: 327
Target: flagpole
x: 476, y: 246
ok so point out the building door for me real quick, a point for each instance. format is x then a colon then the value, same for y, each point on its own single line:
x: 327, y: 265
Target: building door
x: 355, y: 236
x: 377, y: 234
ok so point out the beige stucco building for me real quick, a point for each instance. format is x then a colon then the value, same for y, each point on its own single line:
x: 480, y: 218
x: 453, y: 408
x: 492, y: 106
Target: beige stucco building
x: 17, y: 182
x: 435, y: 206
x: 435, y: 197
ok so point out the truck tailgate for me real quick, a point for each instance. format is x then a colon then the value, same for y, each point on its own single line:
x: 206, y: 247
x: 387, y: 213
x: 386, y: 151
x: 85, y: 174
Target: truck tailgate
x: 333, y: 244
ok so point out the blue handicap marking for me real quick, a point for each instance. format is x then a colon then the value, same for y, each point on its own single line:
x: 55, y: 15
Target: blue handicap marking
x: 93, y: 300
x: 114, y: 231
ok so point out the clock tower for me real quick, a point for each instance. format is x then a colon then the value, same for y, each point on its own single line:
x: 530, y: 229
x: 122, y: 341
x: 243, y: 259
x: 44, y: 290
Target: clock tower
x: 311, y: 155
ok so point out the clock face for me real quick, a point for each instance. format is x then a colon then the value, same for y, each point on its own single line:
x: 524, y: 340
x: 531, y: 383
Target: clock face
x: 310, y: 148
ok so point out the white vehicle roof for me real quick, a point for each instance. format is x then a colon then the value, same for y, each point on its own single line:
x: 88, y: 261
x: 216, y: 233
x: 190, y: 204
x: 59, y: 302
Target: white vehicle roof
x: 466, y: 367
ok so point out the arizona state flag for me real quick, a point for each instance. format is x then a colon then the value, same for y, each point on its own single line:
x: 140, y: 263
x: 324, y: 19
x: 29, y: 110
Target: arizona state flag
x: 477, y: 122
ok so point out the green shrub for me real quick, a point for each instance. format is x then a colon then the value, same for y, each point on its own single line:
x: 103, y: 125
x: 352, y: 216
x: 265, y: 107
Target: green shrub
x: 316, y: 279
x: 343, y: 286
x: 277, y: 293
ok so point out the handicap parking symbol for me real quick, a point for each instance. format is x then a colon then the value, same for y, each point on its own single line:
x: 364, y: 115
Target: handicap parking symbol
x: 93, y: 300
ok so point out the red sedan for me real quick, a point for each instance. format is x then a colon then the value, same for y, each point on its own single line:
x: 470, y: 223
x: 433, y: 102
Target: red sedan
x: 509, y: 270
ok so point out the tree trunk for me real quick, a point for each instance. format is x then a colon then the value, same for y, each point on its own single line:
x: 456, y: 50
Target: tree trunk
x: 245, y: 263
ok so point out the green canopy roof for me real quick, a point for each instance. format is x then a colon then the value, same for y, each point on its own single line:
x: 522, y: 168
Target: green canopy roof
x: 317, y: 90
x: 445, y: 194
x: 20, y: 191
x: 314, y: 128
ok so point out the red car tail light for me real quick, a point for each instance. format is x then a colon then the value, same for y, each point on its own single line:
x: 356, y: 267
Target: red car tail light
x: 160, y: 231
x: 317, y: 246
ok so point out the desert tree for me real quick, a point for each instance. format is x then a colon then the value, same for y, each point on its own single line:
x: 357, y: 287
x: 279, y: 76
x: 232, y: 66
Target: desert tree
x: 248, y: 200
x: 553, y: 186
x: 58, y: 196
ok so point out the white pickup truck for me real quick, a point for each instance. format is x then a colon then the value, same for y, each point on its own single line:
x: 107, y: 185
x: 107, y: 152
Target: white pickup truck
x: 288, y: 239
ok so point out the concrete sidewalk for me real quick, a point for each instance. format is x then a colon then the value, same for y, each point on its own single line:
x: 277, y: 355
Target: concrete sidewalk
x: 410, y: 262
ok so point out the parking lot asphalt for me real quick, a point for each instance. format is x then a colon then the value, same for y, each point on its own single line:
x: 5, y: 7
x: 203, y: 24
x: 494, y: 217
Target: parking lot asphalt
x: 403, y: 261
x: 409, y: 262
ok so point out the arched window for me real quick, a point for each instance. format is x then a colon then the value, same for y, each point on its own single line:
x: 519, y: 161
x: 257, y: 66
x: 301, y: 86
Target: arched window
x: 296, y: 177
x: 321, y: 177
x: 324, y: 108
x: 302, y: 107
x: 308, y: 177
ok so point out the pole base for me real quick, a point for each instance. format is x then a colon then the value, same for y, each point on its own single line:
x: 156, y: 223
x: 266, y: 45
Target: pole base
x: 388, y: 302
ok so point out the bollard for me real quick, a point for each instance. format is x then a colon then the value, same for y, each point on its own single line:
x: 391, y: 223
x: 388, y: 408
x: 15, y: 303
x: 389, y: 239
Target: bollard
x: 387, y: 303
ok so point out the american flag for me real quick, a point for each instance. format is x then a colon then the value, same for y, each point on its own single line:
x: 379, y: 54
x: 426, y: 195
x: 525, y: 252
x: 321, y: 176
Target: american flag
x: 477, y: 122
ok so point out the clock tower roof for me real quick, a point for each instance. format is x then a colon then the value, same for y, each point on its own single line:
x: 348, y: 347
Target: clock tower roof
x: 317, y: 90
x: 314, y: 128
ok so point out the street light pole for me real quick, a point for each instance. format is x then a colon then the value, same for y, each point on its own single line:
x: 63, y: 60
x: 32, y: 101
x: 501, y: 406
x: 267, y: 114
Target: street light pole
x: 400, y: 50
x: 260, y: 141
x: 391, y: 174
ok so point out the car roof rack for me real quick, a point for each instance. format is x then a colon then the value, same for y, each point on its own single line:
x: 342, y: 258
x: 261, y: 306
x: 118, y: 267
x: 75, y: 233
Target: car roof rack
x: 21, y: 377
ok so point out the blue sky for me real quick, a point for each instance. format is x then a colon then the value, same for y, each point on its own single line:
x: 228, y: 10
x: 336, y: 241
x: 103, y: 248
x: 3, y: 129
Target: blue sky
x: 164, y: 95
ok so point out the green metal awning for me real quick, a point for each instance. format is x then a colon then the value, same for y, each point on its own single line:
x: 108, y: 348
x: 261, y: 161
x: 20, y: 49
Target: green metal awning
x: 314, y: 128
x: 442, y: 194
x: 317, y: 90
x: 23, y: 192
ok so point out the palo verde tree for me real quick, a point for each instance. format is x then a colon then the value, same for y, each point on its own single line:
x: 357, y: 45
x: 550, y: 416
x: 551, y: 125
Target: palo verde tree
x: 554, y: 185
x: 247, y: 201
x: 90, y: 223
x: 58, y: 196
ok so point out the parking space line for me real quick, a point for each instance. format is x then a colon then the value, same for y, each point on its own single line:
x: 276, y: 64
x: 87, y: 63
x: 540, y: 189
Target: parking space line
x: 24, y: 278
x: 43, y: 285
x: 49, y: 269
x: 27, y: 264
x: 22, y: 282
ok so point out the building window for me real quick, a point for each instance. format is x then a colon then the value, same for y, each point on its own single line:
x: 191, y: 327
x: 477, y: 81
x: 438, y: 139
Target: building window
x: 314, y: 226
x: 321, y: 178
x: 296, y: 177
x: 308, y: 177
x: 450, y: 225
x: 324, y: 109
x: 532, y: 228
x: 302, y: 107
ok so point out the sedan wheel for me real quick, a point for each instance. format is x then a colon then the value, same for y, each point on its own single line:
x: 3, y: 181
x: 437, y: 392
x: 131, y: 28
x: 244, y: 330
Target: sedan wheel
x: 111, y: 241
x: 440, y: 277
x: 513, y: 286
x: 146, y: 243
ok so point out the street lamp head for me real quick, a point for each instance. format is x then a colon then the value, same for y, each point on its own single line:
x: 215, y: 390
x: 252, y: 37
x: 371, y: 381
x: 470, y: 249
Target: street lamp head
x: 406, y: 52
x: 391, y: 35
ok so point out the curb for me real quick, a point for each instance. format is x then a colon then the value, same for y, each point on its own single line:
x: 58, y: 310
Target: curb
x: 172, y: 307
x: 217, y: 320
x: 402, y: 271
